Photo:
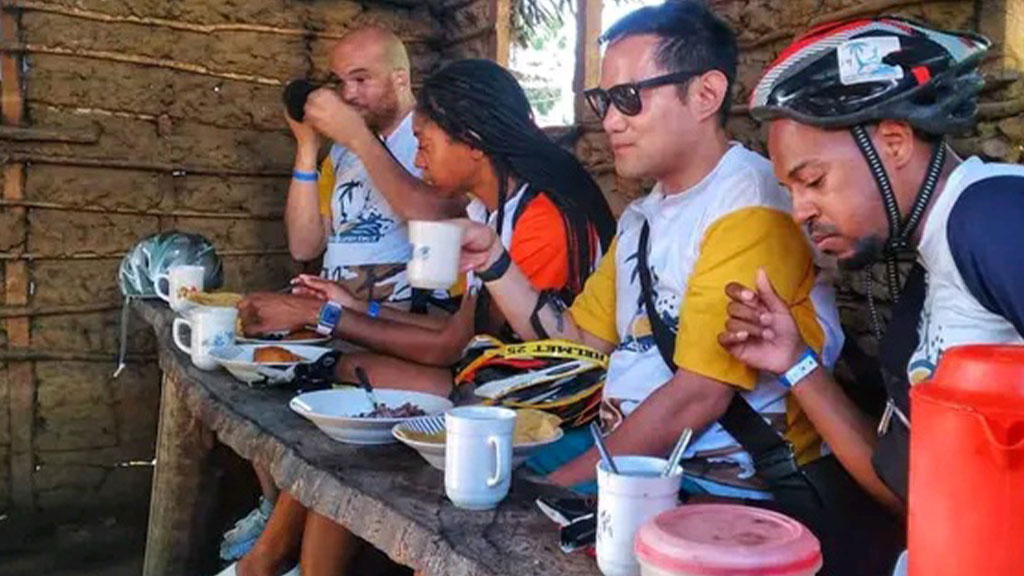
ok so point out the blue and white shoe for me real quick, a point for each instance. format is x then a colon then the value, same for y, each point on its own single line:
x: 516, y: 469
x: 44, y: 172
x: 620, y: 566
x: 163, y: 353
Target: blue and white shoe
x: 230, y: 571
x: 241, y: 537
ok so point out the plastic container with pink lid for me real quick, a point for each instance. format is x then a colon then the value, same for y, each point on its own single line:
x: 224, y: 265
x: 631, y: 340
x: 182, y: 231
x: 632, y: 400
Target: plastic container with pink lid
x: 726, y: 540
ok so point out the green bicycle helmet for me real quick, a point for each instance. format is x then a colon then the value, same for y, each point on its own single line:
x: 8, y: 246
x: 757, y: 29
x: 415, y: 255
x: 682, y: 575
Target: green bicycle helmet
x: 156, y: 254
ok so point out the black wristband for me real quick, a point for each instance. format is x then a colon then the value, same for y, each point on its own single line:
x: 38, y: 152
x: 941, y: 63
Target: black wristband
x: 496, y: 270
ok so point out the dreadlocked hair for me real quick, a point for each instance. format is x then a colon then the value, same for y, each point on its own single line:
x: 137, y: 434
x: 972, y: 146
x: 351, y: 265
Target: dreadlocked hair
x: 480, y: 104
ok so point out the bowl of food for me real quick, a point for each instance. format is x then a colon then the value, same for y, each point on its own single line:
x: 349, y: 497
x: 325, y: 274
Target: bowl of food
x: 346, y: 414
x: 256, y: 364
x: 426, y: 435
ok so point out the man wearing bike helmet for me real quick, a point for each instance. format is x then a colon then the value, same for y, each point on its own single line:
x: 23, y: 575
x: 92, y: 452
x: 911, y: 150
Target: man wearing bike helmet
x: 858, y: 116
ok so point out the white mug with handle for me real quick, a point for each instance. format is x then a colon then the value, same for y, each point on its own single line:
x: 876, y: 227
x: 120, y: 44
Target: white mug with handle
x: 180, y: 280
x: 478, y: 456
x: 211, y: 327
x: 436, y: 248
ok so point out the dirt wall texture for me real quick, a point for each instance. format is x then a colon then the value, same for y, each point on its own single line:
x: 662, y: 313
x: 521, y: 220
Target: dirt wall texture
x: 136, y: 117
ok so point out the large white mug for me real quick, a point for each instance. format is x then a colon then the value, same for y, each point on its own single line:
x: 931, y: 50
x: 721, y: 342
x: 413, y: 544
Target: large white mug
x: 180, y: 281
x: 210, y: 327
x: 627, y: 500
x: 436, y: 246
x: 478, y: 455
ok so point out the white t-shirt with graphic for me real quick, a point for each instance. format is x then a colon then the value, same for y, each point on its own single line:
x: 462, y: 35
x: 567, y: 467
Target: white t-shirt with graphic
x: 364, y: 228
x: 971, y: 250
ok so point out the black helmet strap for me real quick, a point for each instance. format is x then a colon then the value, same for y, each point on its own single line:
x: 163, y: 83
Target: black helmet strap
x: 900, y: 230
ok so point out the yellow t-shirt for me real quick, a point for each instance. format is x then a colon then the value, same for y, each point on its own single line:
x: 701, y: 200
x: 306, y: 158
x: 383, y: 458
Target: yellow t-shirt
x: 722, y: 230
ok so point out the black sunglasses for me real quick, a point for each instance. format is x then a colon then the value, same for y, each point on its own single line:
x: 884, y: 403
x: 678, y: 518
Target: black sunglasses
x: 626, y: 97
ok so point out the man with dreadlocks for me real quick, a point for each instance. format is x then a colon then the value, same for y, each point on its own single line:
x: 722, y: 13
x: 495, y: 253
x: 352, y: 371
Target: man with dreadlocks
x: 476, y: 137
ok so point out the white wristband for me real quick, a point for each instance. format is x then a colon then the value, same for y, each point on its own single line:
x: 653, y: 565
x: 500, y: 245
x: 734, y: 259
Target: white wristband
x: 804, y: 366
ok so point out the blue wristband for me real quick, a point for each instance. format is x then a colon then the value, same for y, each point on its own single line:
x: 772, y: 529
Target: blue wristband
x: 373, y: 310
x: 807, y: 363
x: 303, y: 176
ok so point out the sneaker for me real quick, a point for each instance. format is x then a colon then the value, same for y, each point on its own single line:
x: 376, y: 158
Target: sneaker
x: 241, y: 537
x: 231, y: 571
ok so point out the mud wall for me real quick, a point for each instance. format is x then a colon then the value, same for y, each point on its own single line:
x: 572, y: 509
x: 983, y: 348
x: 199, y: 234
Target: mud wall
x: 122, y: 119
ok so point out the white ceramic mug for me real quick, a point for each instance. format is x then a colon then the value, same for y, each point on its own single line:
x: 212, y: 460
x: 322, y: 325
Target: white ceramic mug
x: 625, y: 501
x: 436, y: 246
x: 180, y: 281
x: 478, y: 455
x: 210, y: 327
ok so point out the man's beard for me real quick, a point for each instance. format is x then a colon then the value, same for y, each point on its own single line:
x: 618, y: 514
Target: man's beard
x: 866, y: 252
x: 383, y: 114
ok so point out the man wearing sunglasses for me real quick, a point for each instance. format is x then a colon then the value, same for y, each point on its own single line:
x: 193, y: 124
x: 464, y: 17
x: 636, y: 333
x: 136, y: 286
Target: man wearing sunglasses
x: 716, y: 214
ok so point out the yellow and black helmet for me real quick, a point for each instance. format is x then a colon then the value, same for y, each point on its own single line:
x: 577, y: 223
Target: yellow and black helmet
x: 559, y: 377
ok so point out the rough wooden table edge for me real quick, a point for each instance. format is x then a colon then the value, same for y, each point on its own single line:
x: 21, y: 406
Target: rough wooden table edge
x: 304, y: 480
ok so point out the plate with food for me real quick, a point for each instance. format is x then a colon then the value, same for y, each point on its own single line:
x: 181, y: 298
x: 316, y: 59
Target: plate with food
x: 265, y: 364
x: 304, y: 336
x: 426, y: 435
x: 347, y: 415
x: 193, y: 300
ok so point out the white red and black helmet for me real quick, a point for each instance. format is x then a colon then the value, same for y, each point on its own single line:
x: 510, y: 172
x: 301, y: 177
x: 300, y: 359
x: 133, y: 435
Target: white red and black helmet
x: 858, y: 72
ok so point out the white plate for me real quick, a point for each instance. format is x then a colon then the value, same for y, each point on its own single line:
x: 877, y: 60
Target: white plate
x: 433, y: 452
x: 334, y: 412
x: 276, y: 341
x: 237, y: 359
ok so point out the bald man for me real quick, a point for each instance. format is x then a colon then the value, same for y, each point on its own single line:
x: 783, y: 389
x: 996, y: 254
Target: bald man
x: 353, y: 211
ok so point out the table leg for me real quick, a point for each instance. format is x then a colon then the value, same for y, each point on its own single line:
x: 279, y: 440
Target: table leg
x: 183, y: 488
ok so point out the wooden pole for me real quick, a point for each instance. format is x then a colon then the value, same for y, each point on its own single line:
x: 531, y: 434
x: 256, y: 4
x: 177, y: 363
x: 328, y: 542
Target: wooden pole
x: 183, y: 488
x: 1003, y: 22
x: 501, y: 37
x: 588, y: 56
x: 21, y: 384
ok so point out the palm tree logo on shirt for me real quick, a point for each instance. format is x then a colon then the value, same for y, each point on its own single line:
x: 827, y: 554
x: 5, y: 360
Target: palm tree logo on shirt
x: 358, y: 221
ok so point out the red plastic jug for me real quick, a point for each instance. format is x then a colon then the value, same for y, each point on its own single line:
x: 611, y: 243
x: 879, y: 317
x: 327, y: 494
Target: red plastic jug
x: 966, y: 513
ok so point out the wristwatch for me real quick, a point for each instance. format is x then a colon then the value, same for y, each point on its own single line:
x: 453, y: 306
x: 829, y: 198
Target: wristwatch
x: 330, y: 315
x: 807, y: 363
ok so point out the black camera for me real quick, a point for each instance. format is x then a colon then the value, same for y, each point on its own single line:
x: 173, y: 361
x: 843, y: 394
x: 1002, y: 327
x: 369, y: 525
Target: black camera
x: 295, y: 94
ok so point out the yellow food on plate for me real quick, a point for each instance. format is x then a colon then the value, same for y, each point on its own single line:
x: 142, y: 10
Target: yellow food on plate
x: 227, y: 299
x: 531, y: 426
x: 275, y: 355
x: 534, y: 426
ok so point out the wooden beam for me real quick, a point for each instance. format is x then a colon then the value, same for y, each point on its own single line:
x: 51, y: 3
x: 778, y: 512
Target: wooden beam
x: 21, y: 385
x: 72, y: 136
x: 501, y: 36
x: 1003, y: 22
x: 183, y: 484
x: 588, y: 55
x: 13, y: 107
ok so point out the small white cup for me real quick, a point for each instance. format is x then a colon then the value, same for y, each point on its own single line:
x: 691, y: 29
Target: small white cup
x: 210, y: 327
x: 180, y: 281
x: 478, y: 456
x: 436, y: 246
x: 627, y: 500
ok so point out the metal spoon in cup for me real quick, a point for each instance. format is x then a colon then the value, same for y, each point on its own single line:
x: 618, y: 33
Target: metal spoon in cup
x: 677, y: 452
x: 595, y: 431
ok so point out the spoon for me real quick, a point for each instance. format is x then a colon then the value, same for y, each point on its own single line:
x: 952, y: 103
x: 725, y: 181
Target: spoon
x: 595, y: 431
x: 364, y: 383
x: 677, y: 452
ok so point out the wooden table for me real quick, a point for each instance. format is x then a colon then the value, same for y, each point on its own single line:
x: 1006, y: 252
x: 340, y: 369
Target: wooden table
x: 387, y: 495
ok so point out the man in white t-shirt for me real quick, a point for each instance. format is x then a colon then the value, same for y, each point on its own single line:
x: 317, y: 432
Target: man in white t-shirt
x: 352, y: 212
